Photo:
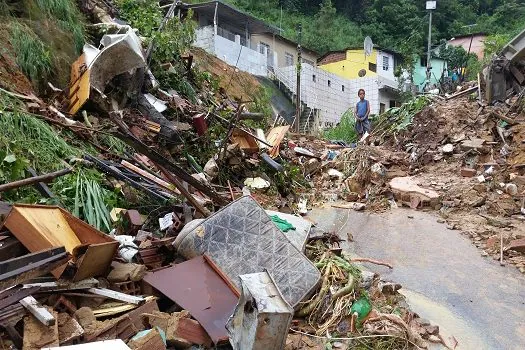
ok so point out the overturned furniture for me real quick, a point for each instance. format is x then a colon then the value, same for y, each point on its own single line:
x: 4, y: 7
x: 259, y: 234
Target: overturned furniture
x: 262, y: 317
x: 41, y: 227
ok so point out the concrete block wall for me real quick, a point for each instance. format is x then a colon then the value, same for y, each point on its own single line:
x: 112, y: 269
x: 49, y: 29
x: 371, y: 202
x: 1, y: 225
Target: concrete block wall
x: 331, y: 100
x: 204, y: 38
x: 249, y: 60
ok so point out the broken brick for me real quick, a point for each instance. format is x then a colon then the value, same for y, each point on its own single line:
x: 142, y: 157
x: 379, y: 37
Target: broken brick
x: 182, y: 331
x: 152, y: 340
x: 467, y: 172
x: 64, y: 305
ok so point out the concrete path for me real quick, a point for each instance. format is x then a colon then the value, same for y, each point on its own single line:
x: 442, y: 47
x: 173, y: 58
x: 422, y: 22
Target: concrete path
x: 444, y: 277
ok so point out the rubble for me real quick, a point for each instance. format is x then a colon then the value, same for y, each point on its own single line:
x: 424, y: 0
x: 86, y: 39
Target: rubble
x: 192, y: 240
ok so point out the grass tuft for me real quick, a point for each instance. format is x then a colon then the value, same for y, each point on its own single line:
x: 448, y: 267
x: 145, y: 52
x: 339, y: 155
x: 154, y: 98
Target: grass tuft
x: 32, y: 55
x: 68, y: 17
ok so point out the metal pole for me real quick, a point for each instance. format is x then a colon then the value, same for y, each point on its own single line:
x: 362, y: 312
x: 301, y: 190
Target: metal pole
x: 298, y: 90
x: 429, y: 44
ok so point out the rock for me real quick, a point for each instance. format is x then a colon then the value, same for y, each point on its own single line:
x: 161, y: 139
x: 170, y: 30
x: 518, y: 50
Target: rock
x: 517, y: 245
x: 434, y: 339
x: 211, y: 169
x: 481, y: 179
x: 389, y: 288
x: 367, y: 278
x: 126, y: 272
x: 441, y: 221
x: 359, y: 206
x: 511, y: 189
x: 448, y: 148
x: 434, y: 330
x: 352, y: 197
x: 406, y: 190
x: 475, y: 144
x: 422, y: 321
x: 484, y: 253
x: 85, y: 317
x: 338, y: 345
x: 256, y: 182
x: 335, y: 174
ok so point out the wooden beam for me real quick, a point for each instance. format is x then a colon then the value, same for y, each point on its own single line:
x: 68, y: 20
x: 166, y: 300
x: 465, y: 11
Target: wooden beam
x: 33, y: 180
x: 26, y: 267
x: 108, y: 293
x: 126, y: 136
x: 184, y: 191
x: 63, y: 285
x: 149, y: 176
x: 40, y: 312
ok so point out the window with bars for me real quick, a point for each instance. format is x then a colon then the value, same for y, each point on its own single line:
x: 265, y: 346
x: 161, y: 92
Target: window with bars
x: 288, y: 59
x: 385, y: 63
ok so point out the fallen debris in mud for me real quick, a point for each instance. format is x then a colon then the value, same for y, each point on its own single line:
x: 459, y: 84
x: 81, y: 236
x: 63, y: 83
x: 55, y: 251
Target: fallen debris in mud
x: 239, y: 270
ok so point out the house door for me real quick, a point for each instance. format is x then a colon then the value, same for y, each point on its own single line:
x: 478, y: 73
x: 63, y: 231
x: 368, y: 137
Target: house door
x: 265, y: 50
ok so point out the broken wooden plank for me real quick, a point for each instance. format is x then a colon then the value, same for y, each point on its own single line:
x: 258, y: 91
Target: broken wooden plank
x: 184, y: 191
x: 64, y: 285
x: 24, y: 268
x: 149, y: 176
x: 125, y: 326
x: 14, y: 295
x: 126, y: 136
x: 40, y: 312
x: 41, y: 186
x: 34, y: 179
x: 108, y: 293
x: 462, y: 93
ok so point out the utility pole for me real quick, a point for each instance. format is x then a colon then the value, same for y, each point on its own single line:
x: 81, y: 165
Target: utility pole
x: 430, y: 5
x: 298, y: 89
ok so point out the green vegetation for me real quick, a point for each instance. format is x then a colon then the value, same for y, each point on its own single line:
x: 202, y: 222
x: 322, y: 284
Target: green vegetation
x: 345, y: 130
x: 68, y: 17
x: 45, y: 37
x: 398, y: 118
x: 32, y: 55
x: 388, y: 22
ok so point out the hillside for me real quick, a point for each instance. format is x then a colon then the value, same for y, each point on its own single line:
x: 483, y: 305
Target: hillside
x: 397, y: 24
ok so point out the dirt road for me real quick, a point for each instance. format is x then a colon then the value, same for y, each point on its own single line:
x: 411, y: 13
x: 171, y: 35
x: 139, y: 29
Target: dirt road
x: 444, y: 277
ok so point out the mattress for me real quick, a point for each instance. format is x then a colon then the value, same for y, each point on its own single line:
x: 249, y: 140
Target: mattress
x: 242, y: 239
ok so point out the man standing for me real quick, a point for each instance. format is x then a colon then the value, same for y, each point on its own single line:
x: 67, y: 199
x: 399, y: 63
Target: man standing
x: 361, y: 112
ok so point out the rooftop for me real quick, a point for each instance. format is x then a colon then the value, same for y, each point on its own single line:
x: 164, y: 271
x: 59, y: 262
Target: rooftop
x: 228, y: 13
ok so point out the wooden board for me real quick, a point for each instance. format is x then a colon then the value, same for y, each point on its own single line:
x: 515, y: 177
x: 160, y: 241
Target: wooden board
x: 41, y: 228
x: 96, y: 260
x: 275, y: 137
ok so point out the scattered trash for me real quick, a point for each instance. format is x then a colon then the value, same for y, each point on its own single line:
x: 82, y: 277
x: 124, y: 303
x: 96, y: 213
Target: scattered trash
x: 256, y: 183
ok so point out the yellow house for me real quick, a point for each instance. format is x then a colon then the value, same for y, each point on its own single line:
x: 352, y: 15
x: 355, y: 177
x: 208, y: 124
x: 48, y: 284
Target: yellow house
x: 352, y: 63
x: 374, y: 73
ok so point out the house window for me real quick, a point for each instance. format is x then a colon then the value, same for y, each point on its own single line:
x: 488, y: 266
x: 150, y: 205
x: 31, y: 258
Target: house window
x: 342, y: 88
x: 385, y: 63
x: 329, y: 83
x: 392, y: 103
x: 288, y: 59
x: 313, y: 78
x: 262, y: 47
x: 311, y: 63
x: 372, y: 67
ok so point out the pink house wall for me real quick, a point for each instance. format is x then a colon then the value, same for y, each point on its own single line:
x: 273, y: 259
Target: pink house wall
x: 477, y: 44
